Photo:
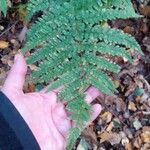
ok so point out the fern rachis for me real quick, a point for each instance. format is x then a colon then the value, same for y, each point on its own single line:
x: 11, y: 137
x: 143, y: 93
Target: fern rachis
x: 71, y: 32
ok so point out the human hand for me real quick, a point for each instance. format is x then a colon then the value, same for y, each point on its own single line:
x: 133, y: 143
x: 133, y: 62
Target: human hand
x: 45, y: 116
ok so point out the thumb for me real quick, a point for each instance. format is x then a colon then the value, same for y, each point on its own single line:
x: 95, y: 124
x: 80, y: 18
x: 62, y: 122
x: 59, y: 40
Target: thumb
x: 16, y: 76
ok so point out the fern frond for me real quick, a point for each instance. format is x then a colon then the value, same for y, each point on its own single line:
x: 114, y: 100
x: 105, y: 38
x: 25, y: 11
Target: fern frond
x: 70, y: 92
x: 49, y: 49
x: 49, y: 26
x: 74, y: 133
x: 113, y: 50
x: 102, y: 63
x: 104, y: 78
x: 72, y: 45
x: 65, y: 79
x: 99, y: 85
x: 103, y: 16
x: 120, y: 37
x: 39, y: 54
x: 58, y: 71
x: 80, y: 110
x: 52, y: 61
x: 81, y: 114
x: 36, y: 6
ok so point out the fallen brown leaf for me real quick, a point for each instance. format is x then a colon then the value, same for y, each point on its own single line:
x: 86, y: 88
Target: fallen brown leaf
x: 128, y: 146
x: 131, y: 106
x: 145, y: 135
x: 112, y: 137
x: 4, y: 44
x: 119, y: 102
x: 128, y: 29
x: 145, y: 10
x: 89, y: 134
x: 106, y: 116
x: 110, y: 127
x: 137, y: 143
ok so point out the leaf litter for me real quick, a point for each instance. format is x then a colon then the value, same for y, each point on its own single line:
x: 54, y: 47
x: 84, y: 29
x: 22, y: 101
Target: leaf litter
x: 124, y: 122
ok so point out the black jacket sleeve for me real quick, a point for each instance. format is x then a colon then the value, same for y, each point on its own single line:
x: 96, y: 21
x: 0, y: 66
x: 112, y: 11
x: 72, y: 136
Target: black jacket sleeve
x: 14, y: 132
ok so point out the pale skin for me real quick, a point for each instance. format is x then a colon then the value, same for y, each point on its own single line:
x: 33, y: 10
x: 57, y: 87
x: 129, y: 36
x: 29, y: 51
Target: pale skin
x: 43, y: 113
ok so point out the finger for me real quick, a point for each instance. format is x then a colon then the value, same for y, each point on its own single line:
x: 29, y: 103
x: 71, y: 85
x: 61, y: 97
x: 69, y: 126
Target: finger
x: 96, y: 111
x: 91, y: 94
x: 16, y: 76
x: 61, y: 119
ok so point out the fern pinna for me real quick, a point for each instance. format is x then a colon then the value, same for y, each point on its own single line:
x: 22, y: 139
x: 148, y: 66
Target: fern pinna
x: 72, y: 43
x: 3, y: 6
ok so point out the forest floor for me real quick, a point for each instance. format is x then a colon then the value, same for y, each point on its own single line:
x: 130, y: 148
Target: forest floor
x: 124, y: 122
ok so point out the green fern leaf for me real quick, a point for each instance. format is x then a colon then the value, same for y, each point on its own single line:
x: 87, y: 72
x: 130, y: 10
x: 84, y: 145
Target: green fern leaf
x: 54, y: 60
x: 65, y: 79
x: 112, y: 50
x: 71, y: 91
x: 72, y: 47
x: 120, y: 37
x: 81, y: 114
x: 100, y: 85
x: 80, y: 110
x: 104, y: 13
x: 104, y: 78
x: 102, y: 63
x: 3, y: 6
x: 56, y: 72
x: 39, y: 55
x: 35, y: 6
x: 74, y: 133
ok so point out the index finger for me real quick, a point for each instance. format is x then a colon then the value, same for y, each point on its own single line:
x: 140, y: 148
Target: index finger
x: 91, y: 94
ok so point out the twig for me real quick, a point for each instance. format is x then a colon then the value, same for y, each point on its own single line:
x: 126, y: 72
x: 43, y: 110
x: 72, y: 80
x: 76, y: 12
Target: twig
x: 8, y: 28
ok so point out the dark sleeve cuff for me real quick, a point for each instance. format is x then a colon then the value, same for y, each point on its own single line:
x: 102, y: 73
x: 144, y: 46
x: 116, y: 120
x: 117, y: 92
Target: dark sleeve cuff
x: 14, y: 132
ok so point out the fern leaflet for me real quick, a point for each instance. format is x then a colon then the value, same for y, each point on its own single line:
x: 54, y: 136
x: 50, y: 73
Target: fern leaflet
x: 3, y: 6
